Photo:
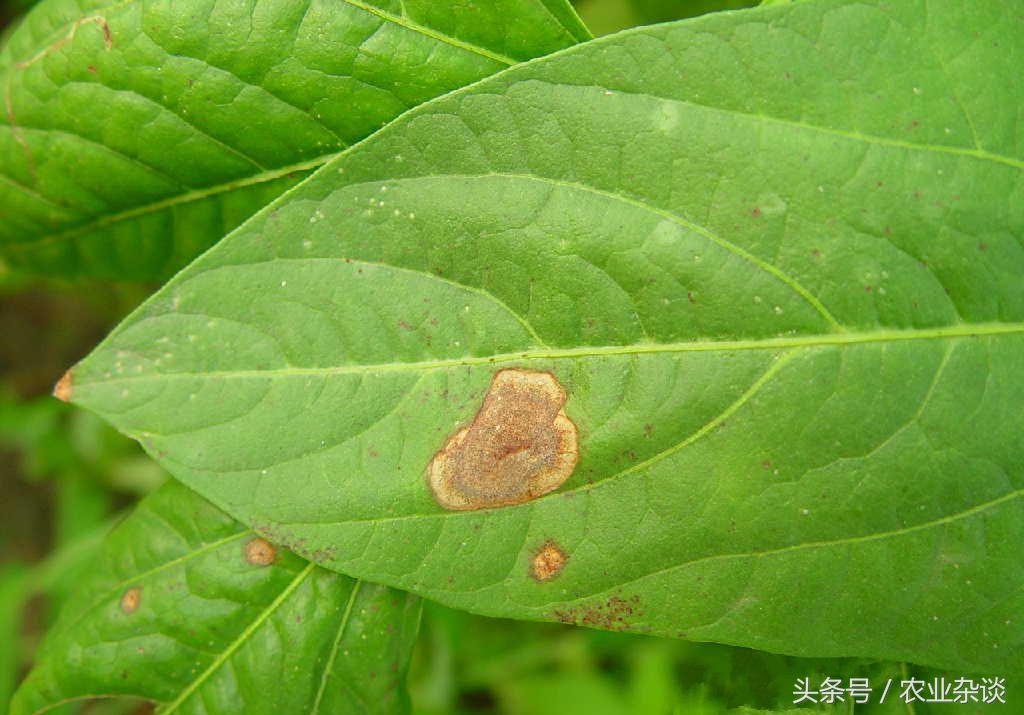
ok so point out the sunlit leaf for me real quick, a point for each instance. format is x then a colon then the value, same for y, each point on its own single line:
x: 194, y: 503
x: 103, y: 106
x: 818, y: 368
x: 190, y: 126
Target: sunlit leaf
x: 780, y: 284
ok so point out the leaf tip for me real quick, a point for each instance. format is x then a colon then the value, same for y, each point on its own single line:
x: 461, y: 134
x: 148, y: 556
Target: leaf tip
x: 63, y: 389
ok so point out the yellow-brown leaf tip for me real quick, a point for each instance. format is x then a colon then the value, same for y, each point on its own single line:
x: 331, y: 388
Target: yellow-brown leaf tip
x: 62, y: 390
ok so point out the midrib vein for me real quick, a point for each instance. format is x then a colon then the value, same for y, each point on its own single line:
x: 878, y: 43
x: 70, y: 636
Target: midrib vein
x: 329, y: 666
x: 781, y: 343
x: 172, y: 201
x: 242, y: 638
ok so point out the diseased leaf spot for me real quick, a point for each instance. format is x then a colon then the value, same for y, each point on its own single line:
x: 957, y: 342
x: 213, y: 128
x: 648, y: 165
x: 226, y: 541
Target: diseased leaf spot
x: 519, y: 446
x: 130, y: 600
x: 615, y: 614
x: 548, y: 561
x: 260, y: 552
x: 62, y: 390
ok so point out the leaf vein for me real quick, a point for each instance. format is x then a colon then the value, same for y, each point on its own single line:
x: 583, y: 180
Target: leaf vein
x: 242, y: 637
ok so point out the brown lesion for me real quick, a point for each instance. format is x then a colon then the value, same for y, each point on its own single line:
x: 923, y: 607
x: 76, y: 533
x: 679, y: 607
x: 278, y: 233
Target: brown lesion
x: 548, y: 561
x: 260, y: 552
x: 617, y: 613
x: 130, y: 600
x: 519, y: 446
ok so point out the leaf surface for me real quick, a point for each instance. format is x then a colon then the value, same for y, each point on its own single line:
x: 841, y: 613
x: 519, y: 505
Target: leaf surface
x: 135, y: 134
x: 781, y: 285
x: 190, y: 609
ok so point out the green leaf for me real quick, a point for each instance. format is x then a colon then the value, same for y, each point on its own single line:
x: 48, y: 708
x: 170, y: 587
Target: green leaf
x: 136, y: 134
x: 188, y: 608
x: 779, y: 282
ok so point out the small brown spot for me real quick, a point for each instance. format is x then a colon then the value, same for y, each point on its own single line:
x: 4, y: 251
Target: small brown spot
x: 130, y: 600
x: 756, y: 213
x: 91, y: 68
x: 519, y: 446
x: 615, y: 614
x: 108, y: 37
x: 548, y: 561
x: 62, y: 390
x: 260, y: 552
x: 982, y: 246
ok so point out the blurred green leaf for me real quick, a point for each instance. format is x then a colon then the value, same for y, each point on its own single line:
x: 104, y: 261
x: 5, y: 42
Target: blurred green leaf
x: 565, y: 693
x: 14, y: 579
x: 653, y: 11
x: 607, y: 16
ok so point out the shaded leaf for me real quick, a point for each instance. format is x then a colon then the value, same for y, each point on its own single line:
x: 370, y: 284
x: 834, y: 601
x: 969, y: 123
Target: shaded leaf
x: 188, y: 608
x: 780, y: 284
x: 135, y: 135
x: 13, y: 594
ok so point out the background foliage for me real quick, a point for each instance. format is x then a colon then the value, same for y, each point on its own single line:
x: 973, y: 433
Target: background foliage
x: 66, y: 478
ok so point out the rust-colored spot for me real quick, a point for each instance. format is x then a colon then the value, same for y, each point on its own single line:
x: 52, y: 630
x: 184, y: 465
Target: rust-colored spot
x: 62, y: 390
x: 260, y: 552
x: 130, y: 600
x: 520, y: 445
x: 615, y: 614
x: 548, y: 561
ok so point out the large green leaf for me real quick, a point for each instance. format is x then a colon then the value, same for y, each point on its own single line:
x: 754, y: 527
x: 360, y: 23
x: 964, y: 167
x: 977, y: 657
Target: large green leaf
x: 773, y: 257
x: 135, y: 134
x: 189, y: 608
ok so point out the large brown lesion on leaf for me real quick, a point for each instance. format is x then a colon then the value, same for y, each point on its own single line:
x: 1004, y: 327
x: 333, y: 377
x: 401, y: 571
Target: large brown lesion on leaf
x: 519, y: 446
